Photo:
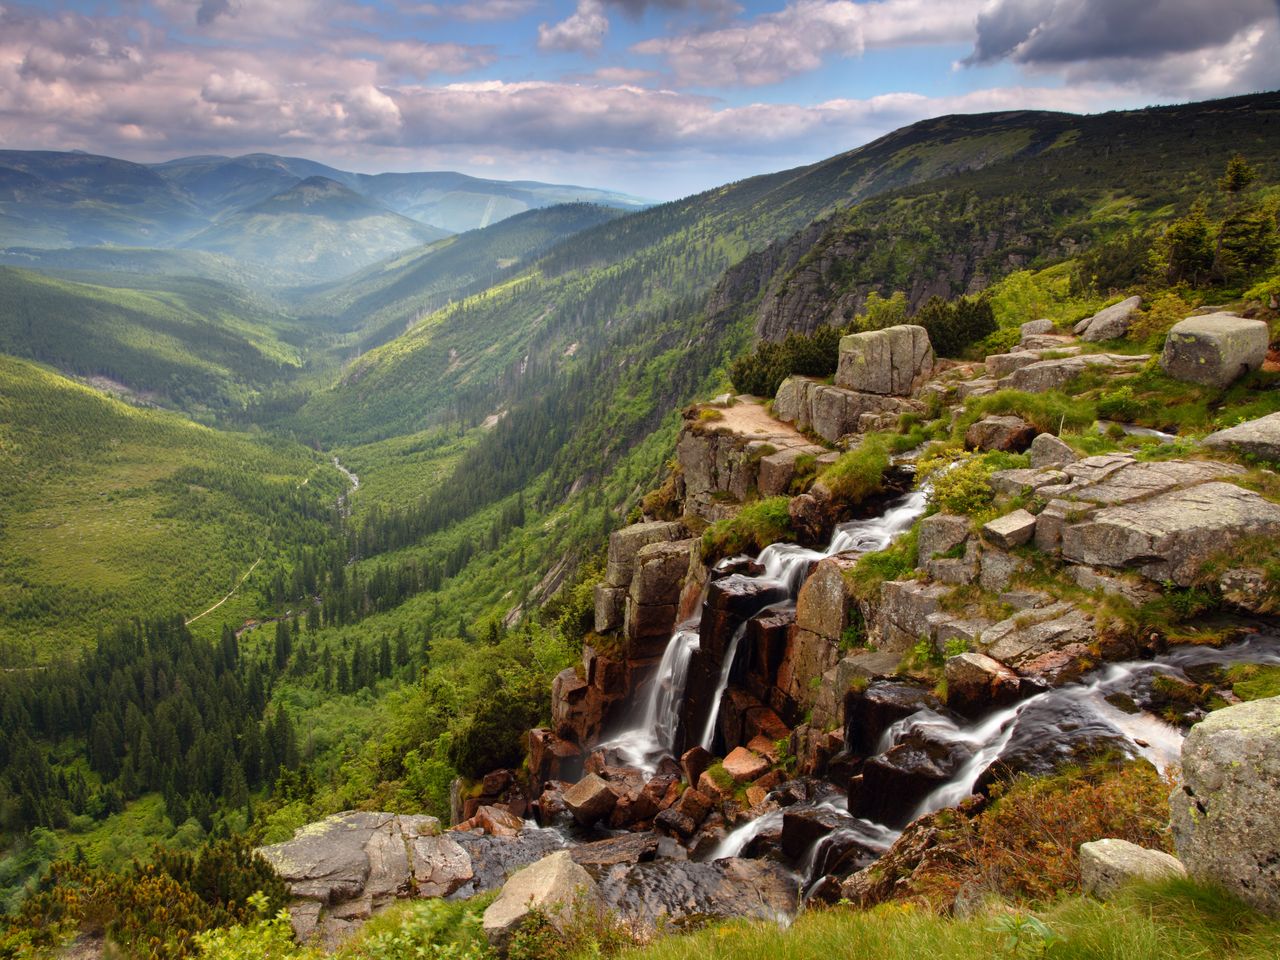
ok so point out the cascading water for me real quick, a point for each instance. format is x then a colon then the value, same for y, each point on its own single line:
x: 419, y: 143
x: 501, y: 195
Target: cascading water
x: 655, y: 735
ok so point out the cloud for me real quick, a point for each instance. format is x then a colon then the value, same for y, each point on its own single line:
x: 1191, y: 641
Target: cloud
x: 583, y: 31
x: 800, y: 37
x: 237, y: 87
x: 473, y: 10
x: 637, y: 8
x: 211, y: 10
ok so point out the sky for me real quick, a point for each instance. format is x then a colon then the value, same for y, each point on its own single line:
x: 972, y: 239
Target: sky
x: 658, y: 98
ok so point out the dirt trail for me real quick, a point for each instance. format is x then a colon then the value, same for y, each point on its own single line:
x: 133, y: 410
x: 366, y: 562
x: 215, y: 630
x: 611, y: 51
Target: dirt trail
x: 228, y: 596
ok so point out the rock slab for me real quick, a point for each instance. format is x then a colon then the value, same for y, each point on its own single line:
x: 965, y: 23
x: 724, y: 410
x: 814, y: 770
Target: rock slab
x: 1224, y: 818
x: 1110, y: 323
x: 1255, y: 438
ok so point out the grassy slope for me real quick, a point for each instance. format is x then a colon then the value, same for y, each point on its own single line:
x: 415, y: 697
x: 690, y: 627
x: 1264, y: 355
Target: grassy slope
x: 93, y: 526
x: 187, y: 342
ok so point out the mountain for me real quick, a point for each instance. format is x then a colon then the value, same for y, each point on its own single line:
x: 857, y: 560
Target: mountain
x: 381, y: 299
x: 197, y: 344
x: 317, y: 228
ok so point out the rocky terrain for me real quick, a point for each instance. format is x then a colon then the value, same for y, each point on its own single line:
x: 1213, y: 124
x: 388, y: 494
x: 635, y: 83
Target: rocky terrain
x: 745, y: 733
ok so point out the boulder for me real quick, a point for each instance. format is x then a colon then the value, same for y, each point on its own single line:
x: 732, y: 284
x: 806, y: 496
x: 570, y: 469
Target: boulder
x: 940, y: 533
x: 552, y: 886
x: 1046, y: 375
x: 903, y: 617
x: 870, y: 712
x: 1033, y: 633
x: 609, y: 604
x: 1224, y: 816
x: 976, y: 683
x: 894, y: 783
x: 1170, y: 536
x: 744, y: 765
x: 1000, y: 433
x: 1215, y: 350
x: 659, y: 571
x: 694, y: 763
x: 895, y: 361
x: 1002, y: 364
x: 624, y: 544
x: 1048, y: 451
x: 1110, y: 323
x: 625, y: 848
x: 494, y: 859
x: 1259, y: 438
x: 590, y: 799
x: 1034, y: 327
x: 1107, y: 865
x: 1012, y: 530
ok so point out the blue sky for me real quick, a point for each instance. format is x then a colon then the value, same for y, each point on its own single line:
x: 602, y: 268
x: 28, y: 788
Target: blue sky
x: 655, y: 97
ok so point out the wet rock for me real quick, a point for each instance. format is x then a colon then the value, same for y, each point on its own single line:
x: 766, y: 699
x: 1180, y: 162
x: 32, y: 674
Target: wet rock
x: 894, y: 361
x: 976, y: 683
x: 1000, y: 433
x: 493, y: 859
x: 551, y: 808
x: 671, y: 893
x: 590, y: 799
x: 870, y: 712
x: 1049, y: 732
x: 1215, y: 350
x: 731, y: 601
x: 1224, y: 823
x: 1171, y: 536
x: 552, y: 886
x: 1012, y: 530
x: 895, y: 782
x: 628, y: 848
x: 1109, y: 323
x: 494, y: 820
x: 1048, y: 451
x: 744, y: 766
x: 940, y: 533
x: 1107, y: 865
x: 1259, y: 438
x: 803, y: 827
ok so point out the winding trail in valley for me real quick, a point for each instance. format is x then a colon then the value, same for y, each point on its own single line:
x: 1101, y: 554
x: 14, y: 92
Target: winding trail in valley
x: 231, y: 593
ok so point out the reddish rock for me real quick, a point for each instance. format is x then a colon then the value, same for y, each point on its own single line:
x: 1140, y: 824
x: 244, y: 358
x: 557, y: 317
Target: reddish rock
x: 551, y: 802
x: 745, y: 766
x: 590, y: 799
x: 551, y: 758
x: 771, y: 780
x: 756, y: 795
x: 765, y: 747
x: 709, y: 788
x: 694, y: 804
x: 767, y: 640
x: 976, y: 682
x: 734, y: 707
x: 496, y: 782
x: 498, y: 821
x: 693, y: 763
x: 763, y: 722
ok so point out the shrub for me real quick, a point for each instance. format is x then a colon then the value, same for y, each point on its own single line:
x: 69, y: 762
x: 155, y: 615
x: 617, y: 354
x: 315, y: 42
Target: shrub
x: 755, y: 527
x: 1166, y: 310
x: 761, y: 372
x: 954, y: 325
x: 964, y: 488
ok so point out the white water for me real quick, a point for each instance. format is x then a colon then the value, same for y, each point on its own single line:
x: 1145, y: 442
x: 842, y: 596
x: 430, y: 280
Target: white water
x: 733, y: 844
x: 1134, y: 430
x: 655, y: 735
x: 722, y: 684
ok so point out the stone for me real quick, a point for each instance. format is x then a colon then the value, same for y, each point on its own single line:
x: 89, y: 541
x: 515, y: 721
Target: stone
x: 998, y: 569
x: 1033, y: 327
x: 590, y: 799
x: 976, y: 683
x: 659, y: 572
x: 1248, y: 589
x: 1012, y: 530
x: 1022, y: 480
x: 1170, y: 536
x: 1107, y: 865
x: 497, y: 821
x: 626, y: 848
x: 1225, y: 827
x: 807, y: 655
x: 440, y: 866
x: 895, y: 782
x: 1033, y: 633
x: 668, y: 894
x: 552, y: 886
x: 1000, y: 365
x: 1136, y: 593
x: 825, y: 599
x: 905, y: 606
x: 870, y: 712
x: 778, y: 469
x: 1048, y: 451
x: 1215, y: 350
x: 744, y: 765
x: 624, y: 544
x: 694, y: 763
x: 1052, y: 520
x: 609, y: 605
x: 895, y: 361
x: 1259, y: 438
x: 980, y: 387
x: 494, y: 859
x: 1046, y: 375
x: 1047, y: 733
x: 1109, y: 323
x: 1011, y: 434
x: 940, y: 533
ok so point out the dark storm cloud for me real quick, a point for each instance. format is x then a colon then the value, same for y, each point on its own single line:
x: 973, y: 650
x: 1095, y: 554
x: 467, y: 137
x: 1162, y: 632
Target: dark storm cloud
x: 1053, y: 32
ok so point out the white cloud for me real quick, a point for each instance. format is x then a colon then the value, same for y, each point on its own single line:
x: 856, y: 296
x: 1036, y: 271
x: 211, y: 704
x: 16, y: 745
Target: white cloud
x: 584, y: 30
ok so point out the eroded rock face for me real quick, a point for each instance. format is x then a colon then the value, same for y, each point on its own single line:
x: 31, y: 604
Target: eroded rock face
x: 895, y: 361
x: 1255, y: 438
x: 1170, y: 537
x: 1215, y: 350
x: 1224, y: 817
x: 673, y: 892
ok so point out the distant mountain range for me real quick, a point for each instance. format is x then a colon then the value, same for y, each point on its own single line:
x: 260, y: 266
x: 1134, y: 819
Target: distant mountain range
x: 316, y: 220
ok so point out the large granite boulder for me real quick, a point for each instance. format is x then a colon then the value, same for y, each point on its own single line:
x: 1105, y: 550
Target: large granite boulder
x: 1170, y: 536
x: 1048, y: 451
x: 624, y: 544
x: 1000, y: 433
x: 1254, y: 438
x: 553, y: 886
x: 1107, y: 865
x: 1215, y: 350
x: 895, y: 361
x: 1225, y: 826
x: 1110, y: 323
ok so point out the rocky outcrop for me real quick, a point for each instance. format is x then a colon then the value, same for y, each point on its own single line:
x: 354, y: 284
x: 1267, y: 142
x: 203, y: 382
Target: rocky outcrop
x: 1012, y: 530
x: 1224, y: 816
x: 624, y: 545
x: 1215, y: 350
x: 895, y: 361
x: 654, y: 596
x: 835, y: 412
x: 1011, y: 434
x: 1110, y: 323
x: 1107, y: 865
x: 1048, y: 451
x: 554, y: 886
x: 1259, y: 438
x: 1045, y: 375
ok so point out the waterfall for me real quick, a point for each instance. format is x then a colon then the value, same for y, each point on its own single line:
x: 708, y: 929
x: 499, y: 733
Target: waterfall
x: 655, y: 735
x: 726, y: 668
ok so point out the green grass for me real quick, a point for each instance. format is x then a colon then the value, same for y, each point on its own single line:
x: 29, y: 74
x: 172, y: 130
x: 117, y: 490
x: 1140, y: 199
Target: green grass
x: 1174, y: 921
x: 113, y: 512
x: 860, y: 472
x: 1254, y: 682
x: 756, y: 526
